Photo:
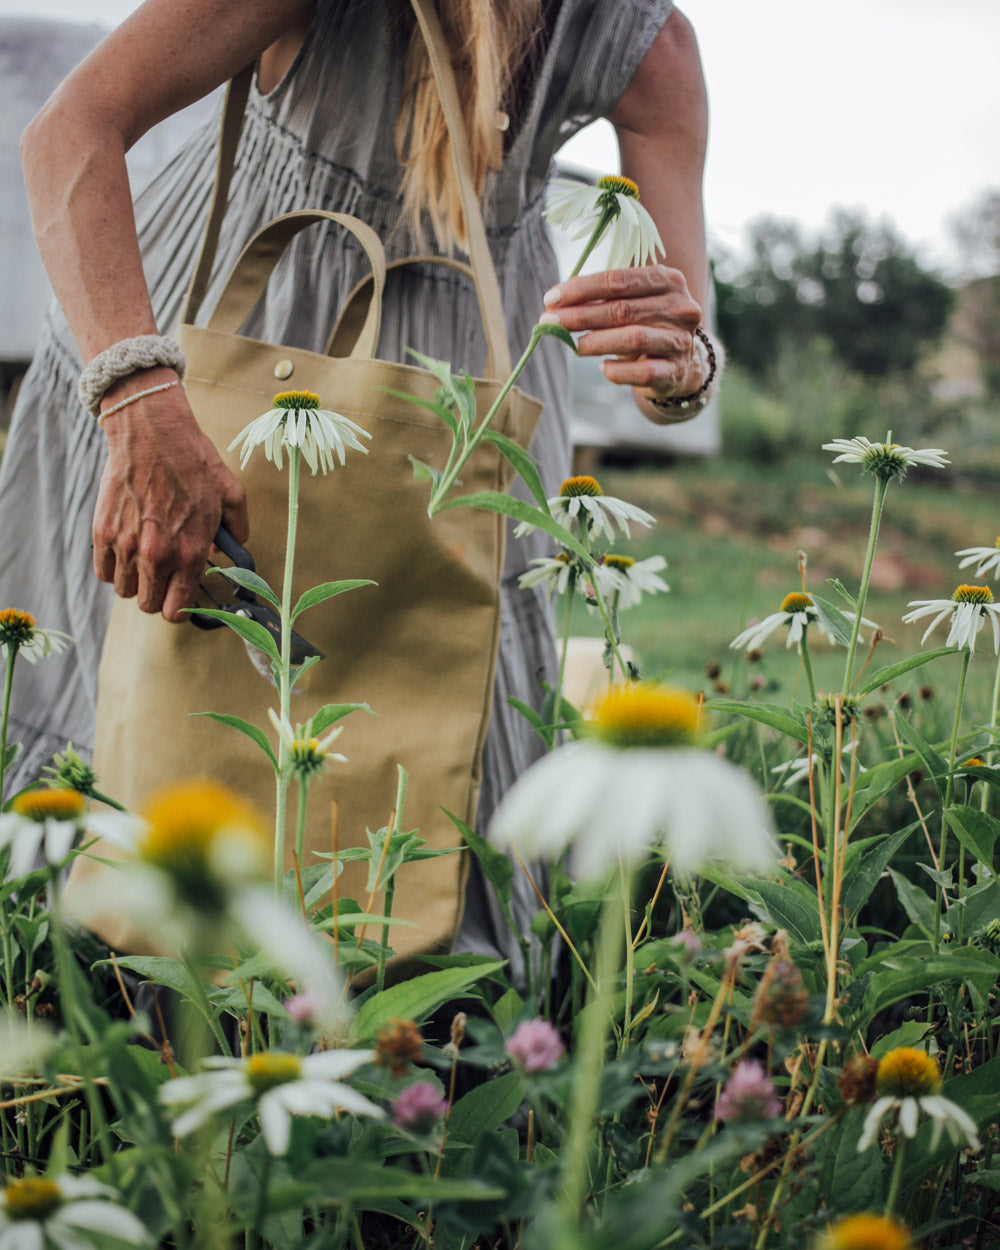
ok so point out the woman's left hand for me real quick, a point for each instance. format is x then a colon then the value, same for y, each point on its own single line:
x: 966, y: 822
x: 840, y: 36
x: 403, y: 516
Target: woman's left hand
x: 642, y: 319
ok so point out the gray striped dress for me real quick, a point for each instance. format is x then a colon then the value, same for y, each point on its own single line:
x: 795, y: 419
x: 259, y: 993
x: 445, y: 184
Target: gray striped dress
x: 323, y: 138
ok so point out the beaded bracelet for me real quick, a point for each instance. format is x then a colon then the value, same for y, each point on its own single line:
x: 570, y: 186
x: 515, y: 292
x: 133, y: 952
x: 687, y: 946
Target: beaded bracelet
x: 130, y: 399
x: 146, y: 351
x: 685, y: 402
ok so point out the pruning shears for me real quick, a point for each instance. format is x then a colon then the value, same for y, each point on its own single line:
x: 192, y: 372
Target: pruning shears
x: 246, y: 603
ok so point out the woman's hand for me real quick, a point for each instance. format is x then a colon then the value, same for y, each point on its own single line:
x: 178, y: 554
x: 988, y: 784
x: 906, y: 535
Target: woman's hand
x: 163, y: 494
x: 643, y: 320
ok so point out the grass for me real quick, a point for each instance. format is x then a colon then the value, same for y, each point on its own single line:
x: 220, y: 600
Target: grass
x: 731, y: 531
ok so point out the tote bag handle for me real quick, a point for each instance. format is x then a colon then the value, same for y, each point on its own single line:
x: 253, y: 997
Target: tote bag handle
x: 487, y: 287
x: 257, y: 260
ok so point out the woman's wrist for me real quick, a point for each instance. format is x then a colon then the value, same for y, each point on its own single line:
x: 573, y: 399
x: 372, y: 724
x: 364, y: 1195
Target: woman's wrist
x: 698, y: 384
x: 146, y: 353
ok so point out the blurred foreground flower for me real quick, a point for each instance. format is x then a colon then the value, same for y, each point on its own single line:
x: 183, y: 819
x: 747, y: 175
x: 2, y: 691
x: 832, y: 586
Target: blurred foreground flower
x: 23, y: 1047
x: 582, y: 502
x: 535, y: 1046
x: 908, y: 1081
x: 297, y: 420
x: 67, y: 1213
x: 20, y: 634
x: 886, y: 460
x: 637, y: 782
x: 614, y: 202
x: 281, y: 1084
x: 419, y: 1107
x: 748, y: 1095
x: 44, y: 824
x: 968, y: 610
x: 866, y: 1232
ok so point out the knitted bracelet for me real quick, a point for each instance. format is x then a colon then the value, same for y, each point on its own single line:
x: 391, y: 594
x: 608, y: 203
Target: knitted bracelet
x: 124, y: 358
x: 699, y: 398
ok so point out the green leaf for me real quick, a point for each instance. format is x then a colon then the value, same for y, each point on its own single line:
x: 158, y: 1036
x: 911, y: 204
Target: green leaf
x: 341, y: 1182
x: 877, y: 782
x: 833, y: 619
x: 863, y: 874
x: 485, y: 1107
x: 319, y: 594
x: 917, y: 905
x: 844, y: 593
x: 249, y: 630
x: 253, y: 732
x: 882, y: 676
x: 789, y: 905
x: 423, y: 472
x: 908, y: 1034
x: 522, y: 462
x: 913, y: 974
x: 496, y: 501
x: 768, y: 714
x: 497, y: 868
x: 417, y: 998
x: 977, y: 831
x: 852, y: 1176
x: 330, y: 713
x: 557, y: 331
x: 936, y: 767
x: 250, y: 581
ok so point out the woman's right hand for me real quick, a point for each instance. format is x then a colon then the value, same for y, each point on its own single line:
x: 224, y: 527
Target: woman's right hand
x: 163, y: 494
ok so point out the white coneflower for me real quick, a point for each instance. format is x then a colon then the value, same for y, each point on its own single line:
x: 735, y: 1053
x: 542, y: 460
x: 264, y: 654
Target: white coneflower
x: 65, y: 1212
x: 281, y: 1084
x: 986, y: 559
x: 581, y: 502
x: 19, y: 632
x: 297, y: 420
x: 967, y: 611
x: 632, y: 234
x: 638, y: 782
x: 908, y: 1081
x: 886, y: 460
x: 43, y: 825
x: 625, y: 580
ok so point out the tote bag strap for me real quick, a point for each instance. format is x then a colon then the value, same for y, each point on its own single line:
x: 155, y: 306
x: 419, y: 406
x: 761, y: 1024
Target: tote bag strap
x: 487, y: 287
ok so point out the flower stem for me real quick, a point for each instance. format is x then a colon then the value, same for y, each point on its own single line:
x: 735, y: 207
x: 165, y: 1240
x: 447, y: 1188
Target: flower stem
x: 605, y: 220
x: 984, y: 791
x: 284, y: 667
x: 877, y: 503
x: 949, y: 790
x: 807, y: 665
x: 8, y: 683
x: 897, y: 1175
x: 590, y: 1060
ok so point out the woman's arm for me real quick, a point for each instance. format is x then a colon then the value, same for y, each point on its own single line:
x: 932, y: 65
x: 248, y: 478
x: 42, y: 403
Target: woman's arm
x: 643, y: 319
x: 165, y: 488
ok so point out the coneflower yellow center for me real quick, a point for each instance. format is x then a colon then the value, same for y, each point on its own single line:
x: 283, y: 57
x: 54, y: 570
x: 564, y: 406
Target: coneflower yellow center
x: 42, y: 805
x: 619, y: 185
x: 296, y: 399
x: 867, y: 1232
x: 974, y: 761
x: 31, y: 1198
x: 972, y: 594
x: 621, y: 563
x: 188, y: 823
x: 998, y: 541
x: 796, y: 602
x: 907, y: 1072
x: 271, y: 1068
x: 16, y: 627
x: 580, y: 486
x: 646, y: 716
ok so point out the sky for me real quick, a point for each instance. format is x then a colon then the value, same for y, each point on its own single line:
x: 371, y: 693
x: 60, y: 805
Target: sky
x: 891, y: 106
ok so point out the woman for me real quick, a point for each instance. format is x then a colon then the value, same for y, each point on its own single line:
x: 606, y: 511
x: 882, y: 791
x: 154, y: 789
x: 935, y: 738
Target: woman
x: 332, y: 111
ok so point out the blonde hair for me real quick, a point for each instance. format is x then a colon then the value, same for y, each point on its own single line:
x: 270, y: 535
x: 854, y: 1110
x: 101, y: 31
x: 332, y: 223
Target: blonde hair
x: 489, y: 41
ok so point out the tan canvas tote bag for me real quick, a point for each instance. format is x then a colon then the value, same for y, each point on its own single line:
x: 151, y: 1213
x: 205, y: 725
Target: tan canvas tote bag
x: 420, y: 647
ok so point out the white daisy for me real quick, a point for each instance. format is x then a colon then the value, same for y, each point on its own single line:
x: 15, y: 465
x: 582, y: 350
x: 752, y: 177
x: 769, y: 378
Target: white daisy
x: 637, y: 784
x: 908, y: 1081
x: 281, y: 1084
x: 633, y: 238
x: 555, y: 574
x: 44, y: 824
x: 986, y: 559
x: 626, y: 580
x: 582, y: 502
x: 797, y: 611
x: 297, y: 420
x: 19, y: 631
x: 968, y: 610
x: 886, y: 460
x: 65, y: 1212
